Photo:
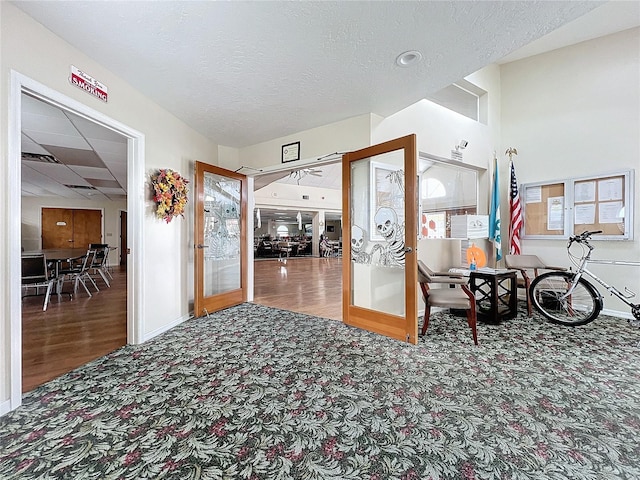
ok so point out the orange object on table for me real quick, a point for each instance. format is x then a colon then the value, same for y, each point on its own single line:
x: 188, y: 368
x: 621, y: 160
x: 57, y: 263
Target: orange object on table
x: 476, y: 253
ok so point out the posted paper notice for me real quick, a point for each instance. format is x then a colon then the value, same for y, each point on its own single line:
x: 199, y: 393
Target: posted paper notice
x: 555, y: 213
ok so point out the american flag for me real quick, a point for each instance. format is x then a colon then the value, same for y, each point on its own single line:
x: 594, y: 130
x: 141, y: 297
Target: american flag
x: 515, y: 214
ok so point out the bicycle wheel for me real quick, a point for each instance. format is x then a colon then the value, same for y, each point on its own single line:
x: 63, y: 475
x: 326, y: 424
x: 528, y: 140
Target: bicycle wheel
x: 581, y: 307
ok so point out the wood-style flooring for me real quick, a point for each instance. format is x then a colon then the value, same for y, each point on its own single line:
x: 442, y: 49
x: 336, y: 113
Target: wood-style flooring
x: 301, y: 284
x: 74, y: 332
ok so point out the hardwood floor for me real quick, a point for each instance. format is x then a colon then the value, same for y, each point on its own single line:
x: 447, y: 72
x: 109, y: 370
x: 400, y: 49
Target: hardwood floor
x: 72, y: 332
x: 301, y: 284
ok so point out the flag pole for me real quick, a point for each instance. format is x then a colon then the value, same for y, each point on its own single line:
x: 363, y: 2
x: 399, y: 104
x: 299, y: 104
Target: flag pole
x: 495, y: 237
x: 516, y: 220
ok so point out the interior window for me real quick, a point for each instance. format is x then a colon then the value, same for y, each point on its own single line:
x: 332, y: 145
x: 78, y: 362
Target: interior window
x: 465, y: 98
x: 433, y: 188
x: 282, y: 231
x: 447, y: 188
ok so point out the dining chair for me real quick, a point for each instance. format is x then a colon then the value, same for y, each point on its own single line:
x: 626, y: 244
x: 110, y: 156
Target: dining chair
x: 455, y: 293
x: 77, y: 271
x: 527, y: 265
x: 99, y: 262
x: 35, y: 274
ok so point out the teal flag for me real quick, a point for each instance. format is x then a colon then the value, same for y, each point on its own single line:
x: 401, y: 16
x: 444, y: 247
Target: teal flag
x: 494, y: 212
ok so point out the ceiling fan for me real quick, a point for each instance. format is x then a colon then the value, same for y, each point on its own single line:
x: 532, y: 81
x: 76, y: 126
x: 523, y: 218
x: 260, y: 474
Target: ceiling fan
x: 300, y: 174
x: 311, y: 171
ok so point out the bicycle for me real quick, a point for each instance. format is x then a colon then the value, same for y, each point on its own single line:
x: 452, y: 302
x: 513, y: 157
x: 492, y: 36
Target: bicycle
x: 570, y: 299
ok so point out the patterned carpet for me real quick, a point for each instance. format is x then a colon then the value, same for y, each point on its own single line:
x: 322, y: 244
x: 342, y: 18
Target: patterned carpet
x: 259, y: 393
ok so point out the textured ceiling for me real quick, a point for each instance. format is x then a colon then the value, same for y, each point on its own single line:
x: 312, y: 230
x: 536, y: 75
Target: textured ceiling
x: 246, y: 72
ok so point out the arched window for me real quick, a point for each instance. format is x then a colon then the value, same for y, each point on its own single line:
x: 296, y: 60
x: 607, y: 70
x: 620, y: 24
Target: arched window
x: 282, y: 231
x: 433, y: 188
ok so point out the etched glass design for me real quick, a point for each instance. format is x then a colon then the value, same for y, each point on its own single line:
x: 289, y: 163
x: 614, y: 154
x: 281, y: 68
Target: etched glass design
x: 378, y: 233
x: 221, y: 234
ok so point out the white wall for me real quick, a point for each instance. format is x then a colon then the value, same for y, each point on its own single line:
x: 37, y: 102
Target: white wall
x: 35, y: 52
x: 438, y: 130
x: 345, y: 136
x: 32, y: 219
x: 576, y: 112
x: 285, y: 195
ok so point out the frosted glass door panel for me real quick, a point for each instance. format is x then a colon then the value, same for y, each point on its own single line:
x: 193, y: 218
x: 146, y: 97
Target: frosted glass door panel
x: 222, y: 267
x: 378, y: 233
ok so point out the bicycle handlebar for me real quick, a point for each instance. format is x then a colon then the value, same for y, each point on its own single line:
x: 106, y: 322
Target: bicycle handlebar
x: 583, y: 237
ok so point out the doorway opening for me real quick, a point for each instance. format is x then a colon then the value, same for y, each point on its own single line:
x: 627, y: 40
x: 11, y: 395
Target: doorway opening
x: 20, y: 86
x: 293, y: 209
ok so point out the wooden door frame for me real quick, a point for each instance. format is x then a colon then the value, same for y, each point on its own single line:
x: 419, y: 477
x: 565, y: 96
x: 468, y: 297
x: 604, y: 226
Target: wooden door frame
x: 201, y: 305
x: 367, y: 319
x: 11, y: 248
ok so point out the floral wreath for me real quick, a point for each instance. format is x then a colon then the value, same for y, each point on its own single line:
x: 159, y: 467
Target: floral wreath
x: 170, y: 194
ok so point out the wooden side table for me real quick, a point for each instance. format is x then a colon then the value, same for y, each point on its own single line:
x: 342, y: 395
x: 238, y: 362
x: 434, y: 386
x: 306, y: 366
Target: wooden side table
x: 496, y: 294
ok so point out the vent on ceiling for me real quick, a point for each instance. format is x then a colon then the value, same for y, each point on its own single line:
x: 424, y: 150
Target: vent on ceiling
x: 38, y: 157
x: 81, y: 187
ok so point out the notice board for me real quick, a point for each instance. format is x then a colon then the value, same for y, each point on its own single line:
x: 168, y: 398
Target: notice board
x: 567, y: 207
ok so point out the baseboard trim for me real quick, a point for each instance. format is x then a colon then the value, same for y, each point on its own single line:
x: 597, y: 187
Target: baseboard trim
x: 605, y: 311
x: 5, y: 407
x: 616, y: 313
x: 166, y: 328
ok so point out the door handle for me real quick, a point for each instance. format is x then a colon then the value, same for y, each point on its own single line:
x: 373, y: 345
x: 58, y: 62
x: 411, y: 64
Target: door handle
x: 408, y: 249
x: 202, y: 246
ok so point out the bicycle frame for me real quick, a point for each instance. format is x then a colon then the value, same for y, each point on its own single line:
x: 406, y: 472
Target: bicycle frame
x: 582, y: 269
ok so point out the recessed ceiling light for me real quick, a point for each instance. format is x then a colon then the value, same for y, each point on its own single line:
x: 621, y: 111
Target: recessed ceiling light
x: 407, y: 59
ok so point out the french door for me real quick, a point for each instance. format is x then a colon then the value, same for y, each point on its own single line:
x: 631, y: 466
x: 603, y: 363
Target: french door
x: 379, y: 209
x: 220, y: 249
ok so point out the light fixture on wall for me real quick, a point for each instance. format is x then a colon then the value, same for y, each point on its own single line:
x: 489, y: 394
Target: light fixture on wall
x: 457, y: 153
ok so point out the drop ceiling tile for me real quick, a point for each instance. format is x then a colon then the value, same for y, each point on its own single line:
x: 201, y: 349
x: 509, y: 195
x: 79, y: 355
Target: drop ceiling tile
x: 96, y: 182
x: 117, y: 197
x: 49, y: 130
x: 34, y: 106
x: 95, y: 195
x: 56, y: 172
x: 112, y: 191
x: 57, y: 125
x: 105, y: 146
x: 48, y: 138
x: 116, y: 164
x: 29, y: 146
x: 71, y: 156
x: 92, y: 172
x: 32, y: 189
x: 94, y: 131
x: 53, y: 187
